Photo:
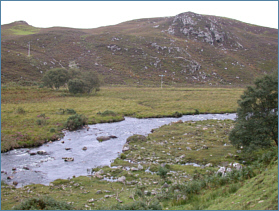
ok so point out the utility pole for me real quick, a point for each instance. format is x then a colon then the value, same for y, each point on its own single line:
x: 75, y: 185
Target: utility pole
x: 28, y: 48
x: 162, y: 80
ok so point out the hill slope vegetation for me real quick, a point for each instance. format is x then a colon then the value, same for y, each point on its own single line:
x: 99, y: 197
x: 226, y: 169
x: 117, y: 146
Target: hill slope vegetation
x: 187, y: 49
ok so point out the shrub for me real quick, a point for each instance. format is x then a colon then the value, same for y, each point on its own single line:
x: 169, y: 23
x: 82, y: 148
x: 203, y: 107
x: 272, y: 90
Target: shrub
x: 40, y: 122
x: 20, y: 110
x: 52, y: 130
x: 43, y: 203
x: 70, y: 111
x: 107, y: 113
x: 76, y: 121
x: 76, y: 86
x: 177, y: 114
x: 136, y: 138
x: 163, y: 172
x: 123, y: 156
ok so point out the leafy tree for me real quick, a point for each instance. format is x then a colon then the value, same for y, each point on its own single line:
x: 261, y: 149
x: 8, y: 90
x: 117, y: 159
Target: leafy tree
x: 55, y: 78
x: 91, y: 82
x: 257, y: 116
x: 83, y: 82
x: 76, y: 86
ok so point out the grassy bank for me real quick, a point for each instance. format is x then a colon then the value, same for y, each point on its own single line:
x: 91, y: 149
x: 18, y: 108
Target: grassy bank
x: 188, y: 187
x: 31, y: 116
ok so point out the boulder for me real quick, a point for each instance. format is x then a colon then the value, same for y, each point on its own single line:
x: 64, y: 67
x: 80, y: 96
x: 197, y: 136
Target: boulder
x: 165, y: 185
x: 42, y: 152
x: 140, y: 167
x: 209, y: 165
x: 105, y: 138
x: 121, y: 179
x: 134, y: 169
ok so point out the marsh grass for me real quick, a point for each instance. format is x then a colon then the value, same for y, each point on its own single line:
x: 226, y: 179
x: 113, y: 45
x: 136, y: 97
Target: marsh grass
x: 122, y: 101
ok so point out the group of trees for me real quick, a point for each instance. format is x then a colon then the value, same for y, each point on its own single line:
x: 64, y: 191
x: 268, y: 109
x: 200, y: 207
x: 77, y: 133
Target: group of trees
x: 257, y: 115
x: 77, y: 81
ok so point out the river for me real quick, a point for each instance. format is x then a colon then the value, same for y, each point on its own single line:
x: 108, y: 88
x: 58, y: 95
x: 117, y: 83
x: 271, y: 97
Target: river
x: 42, y: 169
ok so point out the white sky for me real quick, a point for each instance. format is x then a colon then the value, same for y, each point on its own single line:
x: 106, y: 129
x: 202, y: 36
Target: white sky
x: 93, y: 14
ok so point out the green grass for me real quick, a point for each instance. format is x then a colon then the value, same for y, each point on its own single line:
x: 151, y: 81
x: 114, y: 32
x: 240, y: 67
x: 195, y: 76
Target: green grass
x: 162, y: 146
x: 22, y: 129
x: 24, y: 30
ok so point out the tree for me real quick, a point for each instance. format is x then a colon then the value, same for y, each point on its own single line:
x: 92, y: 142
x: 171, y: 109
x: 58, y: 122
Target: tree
x: 76, y: 86
x: 55, y: 78
x: 257, y: 116
x: 83, y: 82
x: 91, y: 82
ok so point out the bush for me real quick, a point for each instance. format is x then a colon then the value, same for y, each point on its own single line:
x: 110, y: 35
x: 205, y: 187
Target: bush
x: 52, y: 130
x: 107, y: 113
x: 20, y: 110
x: 43, y: 203
x: 123, y: 156
x: 177, y: 114
x: 55, y: 78
x: 76, y: 86
x: 76, y: 121
x: 136, y: 138
x: 162, y: 172
x: 40, y: 122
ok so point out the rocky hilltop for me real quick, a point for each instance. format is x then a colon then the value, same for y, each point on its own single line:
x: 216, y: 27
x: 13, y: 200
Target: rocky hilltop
x: 187, y: 49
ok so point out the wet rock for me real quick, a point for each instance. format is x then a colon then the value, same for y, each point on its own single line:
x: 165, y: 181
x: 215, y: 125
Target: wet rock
x: 105, y: 138
x: 32, y: 153
x: 15, y: 183
x: 41, y: 152
x: 14, y: 168
x: 84, y: 148
x: 68, y: 159
x: 26, y: 168
x: 67, y: 148
x: 10, y: 177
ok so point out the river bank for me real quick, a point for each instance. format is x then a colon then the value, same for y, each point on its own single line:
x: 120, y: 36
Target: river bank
x: 175, y: 146
x: 31, y: 116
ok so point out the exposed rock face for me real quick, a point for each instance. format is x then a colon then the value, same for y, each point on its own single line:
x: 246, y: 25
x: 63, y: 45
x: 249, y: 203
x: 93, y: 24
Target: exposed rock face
x: 197, y: 26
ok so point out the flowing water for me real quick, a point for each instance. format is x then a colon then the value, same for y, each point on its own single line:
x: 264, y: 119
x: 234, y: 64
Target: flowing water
x: 43, y: 169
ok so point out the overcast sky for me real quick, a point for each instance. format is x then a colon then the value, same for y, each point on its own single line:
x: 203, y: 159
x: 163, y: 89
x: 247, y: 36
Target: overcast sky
x: 93, y: 14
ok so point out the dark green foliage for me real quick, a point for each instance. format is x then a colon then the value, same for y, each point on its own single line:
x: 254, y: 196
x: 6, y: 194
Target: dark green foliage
x: 162, y: 172
x: 138, y: 205
x: 83, y: 82
x: 136, y: 138
x: 20, y: 110
x: 257, y: 116
x: 76, y: 121
x: 52, y: 130
x: 43, y: 203
x: 76, y: 86
x: 177, y: 114
x: 107, y: 113
x: 123, y: 156
x: 91, y: 82
x: 55, y: 78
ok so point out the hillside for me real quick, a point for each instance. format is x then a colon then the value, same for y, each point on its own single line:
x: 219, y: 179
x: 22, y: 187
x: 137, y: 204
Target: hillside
x: 188, y: 49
